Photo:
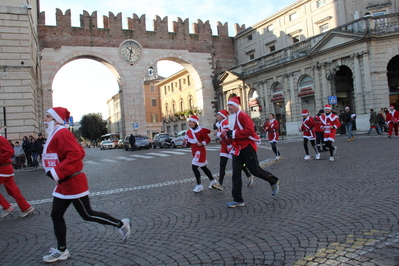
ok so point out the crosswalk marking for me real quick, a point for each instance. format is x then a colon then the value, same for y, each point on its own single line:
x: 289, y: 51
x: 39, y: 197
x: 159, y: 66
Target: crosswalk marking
x: 158, y: 154
x: 108, y: 160
x: 141, y: 156
x: 174, y: 152
x: 126, y: 158
x: 91, y: 162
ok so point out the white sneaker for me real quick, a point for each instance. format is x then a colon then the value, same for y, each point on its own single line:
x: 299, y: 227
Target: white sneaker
x: 6, y: 212
x: 211, y: 182
x: 318, y: 156
x: 278, y: 157
x: 125, y: 229
x: 25, y: 213
x: 56, y: 255
x: 331, y: 159
x: 335, y: 150
x: 198, y: 188
x: 250, y: 180
x: 307, y: 157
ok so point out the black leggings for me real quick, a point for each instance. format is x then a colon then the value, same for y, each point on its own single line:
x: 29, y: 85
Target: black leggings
x: 82, y: 205
x: 198, y: 174
x: 330, y: 147
x: 305, y: 145
x: 222, y: 171
x: 274, y: 148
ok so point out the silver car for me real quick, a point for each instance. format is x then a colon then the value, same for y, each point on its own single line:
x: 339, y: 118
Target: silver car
x: 178, y: 139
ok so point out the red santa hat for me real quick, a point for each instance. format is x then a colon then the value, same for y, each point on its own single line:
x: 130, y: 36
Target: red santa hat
x: 305, y: 112
x: 60, y: 114
x: 391, y: 106
x: 193, y: 118
x: 236, y: 101
x: 347, y: 107
x: 327, y: 106
x: 223, y: 113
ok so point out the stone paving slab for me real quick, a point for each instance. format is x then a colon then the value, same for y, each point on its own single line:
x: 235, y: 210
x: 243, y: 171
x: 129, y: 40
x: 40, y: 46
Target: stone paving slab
x: 327, y: 213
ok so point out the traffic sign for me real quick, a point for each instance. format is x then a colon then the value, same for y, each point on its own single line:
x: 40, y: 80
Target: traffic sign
x: 332, y: 100
x: 135, y: 125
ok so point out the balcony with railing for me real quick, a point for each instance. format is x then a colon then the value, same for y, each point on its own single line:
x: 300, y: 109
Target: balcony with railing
x: 366, y: 27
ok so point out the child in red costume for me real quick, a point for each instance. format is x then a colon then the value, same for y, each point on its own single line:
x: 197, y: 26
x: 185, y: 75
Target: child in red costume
x: 272, y: 127
x: 63, y: 162
x: 7, y: 178
x: 330, y: 123
x: 307, y: 128
x: 197, y: 138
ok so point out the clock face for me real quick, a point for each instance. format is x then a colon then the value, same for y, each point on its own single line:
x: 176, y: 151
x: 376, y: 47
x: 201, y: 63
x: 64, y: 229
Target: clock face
x: 130, y: 51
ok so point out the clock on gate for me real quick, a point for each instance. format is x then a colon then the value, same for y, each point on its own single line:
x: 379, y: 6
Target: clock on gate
x: 130, y: 51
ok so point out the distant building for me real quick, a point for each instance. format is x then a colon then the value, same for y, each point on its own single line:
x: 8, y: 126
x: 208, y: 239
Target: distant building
x: 114, y: 121
x: 298, y: 57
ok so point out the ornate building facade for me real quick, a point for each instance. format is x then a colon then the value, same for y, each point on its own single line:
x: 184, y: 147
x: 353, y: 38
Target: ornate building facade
x: 312, y: 52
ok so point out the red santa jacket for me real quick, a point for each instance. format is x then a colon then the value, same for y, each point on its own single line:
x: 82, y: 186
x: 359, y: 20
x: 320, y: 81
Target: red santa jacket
x: 243, y: 133
x: 330, y: 124
x: 6, y: 152
x: 70, y: 155
x: 392, y: 116
x: 307, y: 127
x: 193, y: 136
x: 272, y: 127
x: 223, y: 125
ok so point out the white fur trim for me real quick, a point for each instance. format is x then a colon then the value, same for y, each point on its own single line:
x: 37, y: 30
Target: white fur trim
x: 234, y: 103
x: 55, y: 115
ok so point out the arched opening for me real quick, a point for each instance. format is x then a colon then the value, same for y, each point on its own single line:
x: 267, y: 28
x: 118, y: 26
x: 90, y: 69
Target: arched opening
x: 393, y: 81
x: 279, y: 106
x: 306, y: 94
x: 89, y: 85
x: 344, y: 88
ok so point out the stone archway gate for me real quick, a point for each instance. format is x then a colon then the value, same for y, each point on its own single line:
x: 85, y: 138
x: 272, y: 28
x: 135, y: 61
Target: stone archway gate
x: 201, y: 53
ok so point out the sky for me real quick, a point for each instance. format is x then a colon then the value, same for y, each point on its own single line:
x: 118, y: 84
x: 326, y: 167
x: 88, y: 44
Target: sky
x: 84, y: 86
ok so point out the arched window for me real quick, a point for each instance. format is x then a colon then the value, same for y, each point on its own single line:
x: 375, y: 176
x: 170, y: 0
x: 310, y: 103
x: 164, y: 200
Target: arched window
x: 181, y: 104
x: 173, y: 107
x: 191, y: 101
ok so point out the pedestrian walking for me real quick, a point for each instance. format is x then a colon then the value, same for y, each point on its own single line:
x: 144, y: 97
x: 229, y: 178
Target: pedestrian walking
x: 223, y: 124
x: 373, y: 122
x: 349, y: 118
x: 307, y: 129
x: 244, y: 147
x: 7, y: 178
x: 197, y: 138
x: 381, y: 116
x: 40, y: 141
x: 33, y: 151
x: 272, y: 128
x: 63, y: 162
x: 18, y: 154
x: 132, y: 141
x: 26, y: 147
x: 392, y: 121
x: 330, y: 123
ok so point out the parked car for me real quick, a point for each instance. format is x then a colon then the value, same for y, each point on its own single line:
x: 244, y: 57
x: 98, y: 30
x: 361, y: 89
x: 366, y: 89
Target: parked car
x: 178, y: 139
x: 141, y: 142
x: 107, y: 144
x: 162, y: 140
x: 120, y: 144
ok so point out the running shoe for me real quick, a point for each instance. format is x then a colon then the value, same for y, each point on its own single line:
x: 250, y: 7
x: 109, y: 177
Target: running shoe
x: 25, y: 213
x: 198, y: 188
x: 216, y: 185
x: 275, y: 188
x: 125, y: 229
x: 56, y: 255
x: 235, y: 204
x: 250, y: 180
x: 6, y: 212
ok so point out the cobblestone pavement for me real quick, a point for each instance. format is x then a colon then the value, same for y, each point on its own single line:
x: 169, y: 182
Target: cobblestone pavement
x: 327, y: 213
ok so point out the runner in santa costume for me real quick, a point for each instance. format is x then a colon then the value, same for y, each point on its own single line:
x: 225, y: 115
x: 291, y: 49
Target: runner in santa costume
x: 392, y: 120
x: 244, y: 146
x: 330, y: 123
x: 7, y: 178
x: 63, y: 162
x: 307, y: 129
x: 223, y: 124
x: 197, y: 138
x: 272, y: 127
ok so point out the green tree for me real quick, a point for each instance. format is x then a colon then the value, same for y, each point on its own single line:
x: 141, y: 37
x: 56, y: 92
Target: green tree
x: 92, y: 126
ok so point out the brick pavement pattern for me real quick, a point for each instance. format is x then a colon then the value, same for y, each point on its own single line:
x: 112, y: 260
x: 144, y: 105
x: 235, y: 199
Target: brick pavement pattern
x: 327, y: 213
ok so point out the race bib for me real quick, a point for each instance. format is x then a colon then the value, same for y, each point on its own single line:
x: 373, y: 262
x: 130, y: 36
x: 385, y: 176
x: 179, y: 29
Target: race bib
x: 49, y: 161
